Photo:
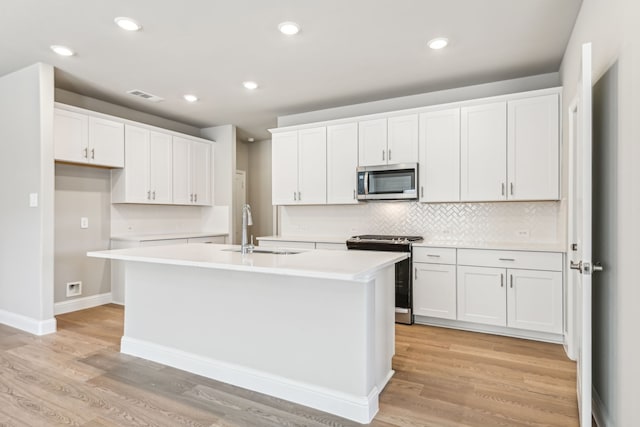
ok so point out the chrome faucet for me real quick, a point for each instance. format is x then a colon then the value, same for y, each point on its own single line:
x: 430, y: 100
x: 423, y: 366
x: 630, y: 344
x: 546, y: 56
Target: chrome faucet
x: 246, y: 247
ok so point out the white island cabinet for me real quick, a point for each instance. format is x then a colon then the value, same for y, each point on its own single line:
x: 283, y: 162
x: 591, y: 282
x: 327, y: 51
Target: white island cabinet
x: 314, y: 327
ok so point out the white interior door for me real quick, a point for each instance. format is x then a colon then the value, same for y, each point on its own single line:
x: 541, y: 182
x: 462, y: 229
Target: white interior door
x: 581, y: 265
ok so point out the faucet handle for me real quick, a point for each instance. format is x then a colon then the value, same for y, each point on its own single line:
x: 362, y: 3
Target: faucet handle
x: 250, y: 246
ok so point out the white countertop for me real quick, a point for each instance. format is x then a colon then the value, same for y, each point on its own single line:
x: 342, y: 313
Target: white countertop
x: 337, y: 265
x: 309, y: 238
x: 166, y: 236
x: 505, y: 246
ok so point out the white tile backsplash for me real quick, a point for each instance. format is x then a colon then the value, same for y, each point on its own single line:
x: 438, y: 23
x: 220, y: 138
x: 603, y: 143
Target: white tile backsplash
x: 467, y: 222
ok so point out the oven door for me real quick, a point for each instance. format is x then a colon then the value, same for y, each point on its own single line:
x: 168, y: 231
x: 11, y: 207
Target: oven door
x: 404, y: 294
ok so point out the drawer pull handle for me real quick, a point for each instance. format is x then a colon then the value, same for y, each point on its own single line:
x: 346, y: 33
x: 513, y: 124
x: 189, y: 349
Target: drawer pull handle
x: 506, y: 259
x: 433, y: 256
x: 511, y: 280
x: 501, y: 280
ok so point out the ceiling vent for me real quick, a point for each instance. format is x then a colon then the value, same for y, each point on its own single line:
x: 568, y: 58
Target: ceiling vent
x: 145, y: 95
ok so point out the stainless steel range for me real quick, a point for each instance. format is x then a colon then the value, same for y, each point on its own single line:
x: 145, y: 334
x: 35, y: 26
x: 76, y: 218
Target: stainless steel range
x: 404, y: 278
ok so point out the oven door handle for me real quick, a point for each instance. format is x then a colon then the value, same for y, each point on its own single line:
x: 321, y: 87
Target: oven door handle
x: 402, y: 310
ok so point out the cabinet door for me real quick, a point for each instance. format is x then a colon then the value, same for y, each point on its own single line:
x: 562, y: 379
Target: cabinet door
x: 284, y: 164
x: 483, y: 149
x: 136, y: 173
x: 342, y: 161
x: 482, y: 295
x: 182, y: 193
x: 312, y: 166
x: 106, y: 142
x: 160, y: 168
x: 533, y: 148
x: 201, y: 173
x: 440, y: 156
x: 534, y: 300
x: 372, y: 142
x: 70, y: 136
x: 402, y: 139
x: 434, y: 290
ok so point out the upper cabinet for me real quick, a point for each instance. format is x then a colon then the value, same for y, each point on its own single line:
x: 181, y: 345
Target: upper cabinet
x: 148, y: 176
x: 533, y: 166
x: 342, y: 162
x: 500, y: 149
x: 81, y: 138
x: 439, y: 171
x: 388, y: 141
x: 299, y: 165
x: 483, y: 152
x: 191, y: 172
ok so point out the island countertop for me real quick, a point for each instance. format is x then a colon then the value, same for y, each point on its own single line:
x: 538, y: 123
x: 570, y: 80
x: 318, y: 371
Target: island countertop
x: 327, y: 264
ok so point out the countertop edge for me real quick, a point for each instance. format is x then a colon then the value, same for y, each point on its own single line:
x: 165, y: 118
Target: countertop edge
x: 165, y: 236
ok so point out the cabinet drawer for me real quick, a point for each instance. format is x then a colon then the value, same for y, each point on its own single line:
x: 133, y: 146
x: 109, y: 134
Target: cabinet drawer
x: 287, y: 244
x: 331, y: 246
x: 434, y: 255
x: 551, y: 261
x: 208, y: 239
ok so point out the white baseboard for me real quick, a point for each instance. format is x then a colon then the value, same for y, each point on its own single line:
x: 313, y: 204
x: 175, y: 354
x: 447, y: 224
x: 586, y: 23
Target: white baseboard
x: 361, y: 409
x: 28, y: 324
x: 600, y: 412
x: 81, y: 303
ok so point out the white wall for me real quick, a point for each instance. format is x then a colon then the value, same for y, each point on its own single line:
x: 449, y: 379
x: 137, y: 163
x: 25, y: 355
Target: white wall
x: 259, y: 188
x: 612, y: 27
x: 81, y: 191
x: 541, y: 81
x: 219, y: 217
x: 26, y: 166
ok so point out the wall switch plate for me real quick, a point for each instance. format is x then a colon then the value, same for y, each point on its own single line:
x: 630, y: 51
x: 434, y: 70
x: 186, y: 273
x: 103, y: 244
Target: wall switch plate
x: 84, y: 222
x: 74, y: 289
x: 523, y: 234
x: 33, y: 200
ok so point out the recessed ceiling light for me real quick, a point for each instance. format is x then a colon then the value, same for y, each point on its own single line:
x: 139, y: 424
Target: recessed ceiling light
x: 62, y: 50
x: 127, y: 23
x: 250, y: 85
x: 250, y: 139
x: 289, y: 28
x: 190, y: 97
x: 438, y: 43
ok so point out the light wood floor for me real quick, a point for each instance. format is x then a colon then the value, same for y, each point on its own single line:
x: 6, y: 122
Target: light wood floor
x: 443, y: 378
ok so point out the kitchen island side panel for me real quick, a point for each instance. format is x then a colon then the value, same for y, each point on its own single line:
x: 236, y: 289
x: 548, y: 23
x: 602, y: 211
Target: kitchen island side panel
x: 332, y: 337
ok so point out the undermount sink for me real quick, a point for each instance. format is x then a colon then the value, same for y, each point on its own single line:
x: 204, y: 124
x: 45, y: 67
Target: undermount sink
x: 266, y: 251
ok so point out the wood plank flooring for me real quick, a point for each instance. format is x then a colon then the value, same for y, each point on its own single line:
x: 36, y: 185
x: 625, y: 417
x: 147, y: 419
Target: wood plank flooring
x: 443, y: 378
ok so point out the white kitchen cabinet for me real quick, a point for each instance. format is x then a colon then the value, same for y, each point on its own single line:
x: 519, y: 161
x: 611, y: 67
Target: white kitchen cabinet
x: 482, y: 295
x: 342, y: 162
x: 284, y: 168
x: 434, y: 282
x: 147, y: 176
x: 534, y: 300
x: 80, y: 138
x: 402, y: 139
x: 372, y: 142
x: 439, y: 150
x: 533, y: 166
x: 191, y: 172
x: 483, y: 152
x: 299, y: 167
x: 388, y: 141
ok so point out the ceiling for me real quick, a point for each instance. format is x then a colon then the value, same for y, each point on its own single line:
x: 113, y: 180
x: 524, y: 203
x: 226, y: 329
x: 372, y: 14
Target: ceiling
x: 348, y: 51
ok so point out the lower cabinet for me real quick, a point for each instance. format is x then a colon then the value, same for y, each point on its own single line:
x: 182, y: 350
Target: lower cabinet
x: 507, y: 289
x: 299, y: 244
x: 434, y: 283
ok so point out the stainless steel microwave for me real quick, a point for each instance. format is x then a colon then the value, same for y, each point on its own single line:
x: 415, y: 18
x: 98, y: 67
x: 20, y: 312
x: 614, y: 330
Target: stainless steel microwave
x: 388, y: 182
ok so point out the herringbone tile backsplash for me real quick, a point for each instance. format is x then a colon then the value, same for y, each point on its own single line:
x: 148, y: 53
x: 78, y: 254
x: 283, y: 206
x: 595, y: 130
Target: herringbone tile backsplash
x: 468, y: 222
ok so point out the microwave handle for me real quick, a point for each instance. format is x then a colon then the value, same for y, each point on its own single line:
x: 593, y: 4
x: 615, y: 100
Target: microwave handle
x: 366, y: 183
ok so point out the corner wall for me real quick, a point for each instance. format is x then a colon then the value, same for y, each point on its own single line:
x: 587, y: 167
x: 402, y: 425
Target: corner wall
x: 26, y: 167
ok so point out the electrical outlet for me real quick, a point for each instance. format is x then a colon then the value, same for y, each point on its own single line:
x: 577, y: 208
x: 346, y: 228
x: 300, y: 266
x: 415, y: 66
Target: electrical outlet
x: 74, y: 289
x: 33, y: 200
x: 84, y: 222
x: 523, y: 234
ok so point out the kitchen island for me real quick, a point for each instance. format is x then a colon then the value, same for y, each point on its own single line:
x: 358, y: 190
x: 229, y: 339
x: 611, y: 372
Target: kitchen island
x: 313, y: 327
